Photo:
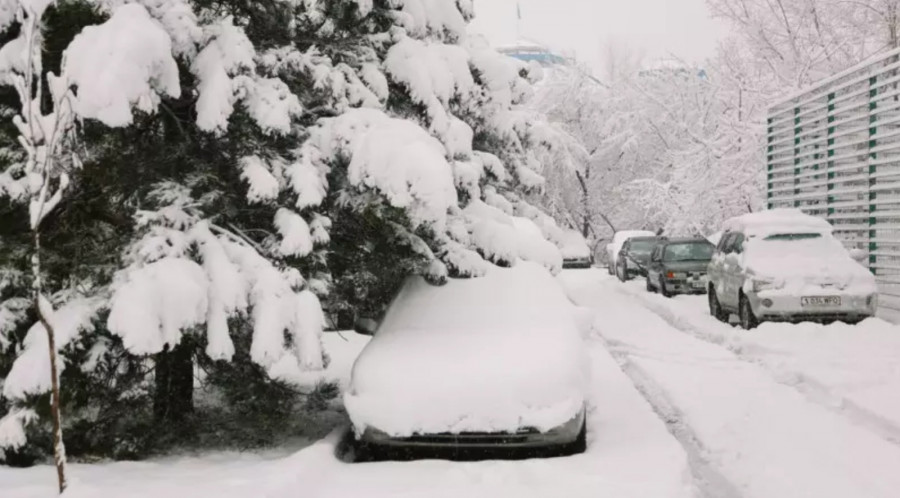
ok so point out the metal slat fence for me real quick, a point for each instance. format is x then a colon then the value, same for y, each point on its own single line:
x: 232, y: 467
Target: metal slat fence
x: 834, y: 152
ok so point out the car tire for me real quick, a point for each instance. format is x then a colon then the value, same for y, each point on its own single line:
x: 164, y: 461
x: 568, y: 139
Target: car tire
x: 580, y: 444
x: 715, y: 307
x: 622, y: 273
x: 745, y: 312
x: 610, y: 269
x: 650, y: 287
x: 662, y: 288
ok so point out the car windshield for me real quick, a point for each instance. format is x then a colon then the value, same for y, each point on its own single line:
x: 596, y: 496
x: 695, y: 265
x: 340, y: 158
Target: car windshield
x: 641, y: 246
x: 794, y: 236
x: 688, y: 251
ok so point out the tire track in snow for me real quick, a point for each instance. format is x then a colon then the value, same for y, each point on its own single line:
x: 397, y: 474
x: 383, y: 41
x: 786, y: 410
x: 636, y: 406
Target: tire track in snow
x: 811, y: 389
x: 707, y: 479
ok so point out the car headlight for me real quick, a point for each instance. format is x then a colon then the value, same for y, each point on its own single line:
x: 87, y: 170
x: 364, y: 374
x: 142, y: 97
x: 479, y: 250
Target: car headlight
x: 674, y: 275
x: 872, y: 301
x: 764, y: 284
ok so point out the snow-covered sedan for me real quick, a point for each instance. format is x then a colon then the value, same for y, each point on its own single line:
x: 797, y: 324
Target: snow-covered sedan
x: 784, y: 265
x: 495, y: 362
x: 575, y: 251
x: 614, y: 247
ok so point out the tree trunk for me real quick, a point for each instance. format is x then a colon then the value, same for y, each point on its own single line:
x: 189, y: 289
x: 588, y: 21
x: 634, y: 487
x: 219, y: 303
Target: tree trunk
x: 59, y: 447
x: 174, y: 397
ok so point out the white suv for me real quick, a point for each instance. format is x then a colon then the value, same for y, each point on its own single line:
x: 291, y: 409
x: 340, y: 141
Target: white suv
x: 783, y: 265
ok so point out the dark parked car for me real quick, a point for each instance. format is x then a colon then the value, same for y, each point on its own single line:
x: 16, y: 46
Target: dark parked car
x: 634, y: 257
x: 679, y: 266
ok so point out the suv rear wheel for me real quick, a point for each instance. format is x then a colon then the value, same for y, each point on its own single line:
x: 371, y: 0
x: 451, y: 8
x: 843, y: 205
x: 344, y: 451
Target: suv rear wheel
x: 748, y: 319
x: 715, y: 307
x: 650, y: 287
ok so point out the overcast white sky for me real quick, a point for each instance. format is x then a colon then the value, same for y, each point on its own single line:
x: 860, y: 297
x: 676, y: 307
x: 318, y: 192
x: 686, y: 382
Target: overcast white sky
x: 654, y: 28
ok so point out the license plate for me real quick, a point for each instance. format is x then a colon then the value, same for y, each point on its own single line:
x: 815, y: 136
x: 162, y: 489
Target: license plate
x: 820, y: 301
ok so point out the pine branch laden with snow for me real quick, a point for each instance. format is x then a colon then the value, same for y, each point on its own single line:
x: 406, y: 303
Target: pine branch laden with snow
x: 165, y: 292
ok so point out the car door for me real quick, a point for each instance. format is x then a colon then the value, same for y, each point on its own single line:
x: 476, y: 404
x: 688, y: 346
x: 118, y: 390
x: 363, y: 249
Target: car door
x: 717, y: 267
x: 653, y: 268
x: 732, y: 272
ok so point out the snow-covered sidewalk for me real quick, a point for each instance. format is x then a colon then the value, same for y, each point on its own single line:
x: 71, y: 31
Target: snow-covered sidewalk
x: 764, y: 438
x: 630, y: 455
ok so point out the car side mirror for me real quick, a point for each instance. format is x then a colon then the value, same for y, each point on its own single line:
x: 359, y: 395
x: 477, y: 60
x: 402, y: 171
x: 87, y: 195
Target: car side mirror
x: 366, y: 326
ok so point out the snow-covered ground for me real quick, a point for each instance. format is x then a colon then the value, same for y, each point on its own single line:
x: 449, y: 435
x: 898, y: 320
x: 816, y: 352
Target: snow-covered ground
x: 630, y: 454
x: 745, y: 422
x: 680, y: 406
x: 851, y: 369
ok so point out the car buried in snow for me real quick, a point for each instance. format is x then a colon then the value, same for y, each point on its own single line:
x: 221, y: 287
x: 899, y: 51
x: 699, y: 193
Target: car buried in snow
x: 476, y: 366
x: 784, y: 265
x: 575, y: 251
x: 614, y: 247
x: 678, y: 266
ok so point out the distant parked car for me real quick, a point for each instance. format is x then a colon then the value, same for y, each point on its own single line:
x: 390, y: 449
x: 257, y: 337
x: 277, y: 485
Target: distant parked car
x: 783, y: 265
x: 575, y: 251
x: 490, y: 363
x: 634, y: 256
x: 678, y: 266
x: 614, y: 247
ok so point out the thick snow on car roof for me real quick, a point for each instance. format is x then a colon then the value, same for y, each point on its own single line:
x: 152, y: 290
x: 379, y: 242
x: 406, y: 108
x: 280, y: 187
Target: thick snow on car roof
x: 777, y: 221
x: 495, y: 353
x: 574, y: 245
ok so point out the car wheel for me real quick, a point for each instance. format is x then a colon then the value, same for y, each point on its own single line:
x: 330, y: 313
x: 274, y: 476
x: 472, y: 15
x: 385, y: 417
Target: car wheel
x: 622, y: 273
x: 580, y: 444
x: 609, y: 268
x: 663, y: 290
x: 715, y: 308
x: 748, y: 319
x: 650, y: 287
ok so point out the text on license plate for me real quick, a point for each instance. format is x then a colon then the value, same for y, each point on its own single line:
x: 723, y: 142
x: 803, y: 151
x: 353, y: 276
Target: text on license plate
x: 820, y: 301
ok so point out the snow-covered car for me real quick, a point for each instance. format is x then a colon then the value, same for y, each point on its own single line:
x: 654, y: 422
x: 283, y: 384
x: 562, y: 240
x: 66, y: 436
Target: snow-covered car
x: 678, y: 266
x: 619, y: 239
x: 575, y: 251
x: 495, y: 362
x: 784, y: 265
x: 634, y: 257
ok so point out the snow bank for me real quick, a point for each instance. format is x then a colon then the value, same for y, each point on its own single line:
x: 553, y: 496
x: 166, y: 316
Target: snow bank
x: 441, y: 360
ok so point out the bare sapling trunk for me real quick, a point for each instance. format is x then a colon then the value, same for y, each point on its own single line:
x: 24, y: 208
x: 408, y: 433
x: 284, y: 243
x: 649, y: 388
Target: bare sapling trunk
x: 59, y: 447
x: 42, y: 139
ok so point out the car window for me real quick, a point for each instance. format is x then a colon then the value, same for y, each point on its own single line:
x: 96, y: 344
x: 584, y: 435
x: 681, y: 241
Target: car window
x: 737, y: 244
x: 725, y: 243
x: 642, y: 246
x: 688, y: 251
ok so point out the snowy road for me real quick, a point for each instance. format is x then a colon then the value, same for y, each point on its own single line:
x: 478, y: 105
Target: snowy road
x: 744, y: 419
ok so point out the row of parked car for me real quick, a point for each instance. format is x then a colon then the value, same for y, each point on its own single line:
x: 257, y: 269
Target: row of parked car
x: 778, y: 265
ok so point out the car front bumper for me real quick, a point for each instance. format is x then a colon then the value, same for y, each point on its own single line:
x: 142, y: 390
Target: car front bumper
x: 774, y: 306
x: 577, y: 263
x: 562, y: 435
